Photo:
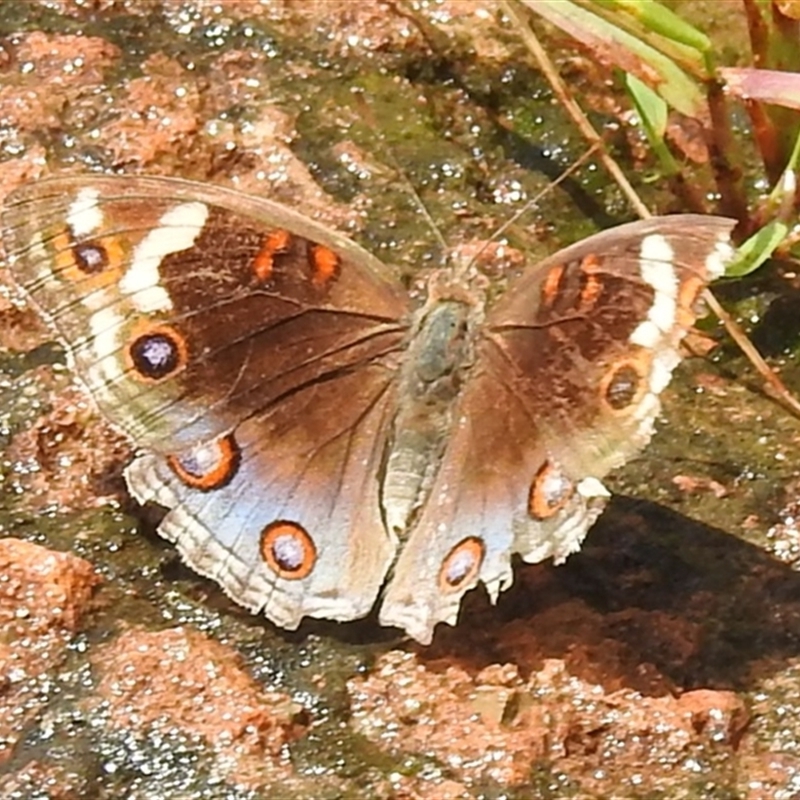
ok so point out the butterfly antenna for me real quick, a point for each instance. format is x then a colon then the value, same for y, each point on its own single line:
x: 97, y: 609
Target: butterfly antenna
x: 390, y: 156
x: 366, y: 113
x: 532, y: 202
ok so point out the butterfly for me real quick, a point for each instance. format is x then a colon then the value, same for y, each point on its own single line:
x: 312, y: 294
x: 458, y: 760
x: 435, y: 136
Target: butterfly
x: 320, y: 444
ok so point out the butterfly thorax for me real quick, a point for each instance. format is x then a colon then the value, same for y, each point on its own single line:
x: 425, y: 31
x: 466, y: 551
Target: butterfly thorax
x: 438, y: 356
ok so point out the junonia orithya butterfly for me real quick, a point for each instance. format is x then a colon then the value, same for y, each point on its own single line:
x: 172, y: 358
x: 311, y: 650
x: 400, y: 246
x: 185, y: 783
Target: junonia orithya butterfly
x: 319, y: 444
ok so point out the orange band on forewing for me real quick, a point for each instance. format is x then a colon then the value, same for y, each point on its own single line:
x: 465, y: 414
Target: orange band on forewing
x: 590, y: 292
x: 591, y: 264
x: 274, y: 243
x: 592, y: 282
x: 324, y: 264
x: 552, y: 285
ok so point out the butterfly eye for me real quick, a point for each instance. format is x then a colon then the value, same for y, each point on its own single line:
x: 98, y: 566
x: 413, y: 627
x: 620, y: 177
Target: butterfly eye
x: 550, y: 491
x: 158, y: 353
x: 208, y: 466
x: 288, y: 550
x: 92, y: 262
x: 90, y: 258
x: 622, y: 386
x: 462, y: 564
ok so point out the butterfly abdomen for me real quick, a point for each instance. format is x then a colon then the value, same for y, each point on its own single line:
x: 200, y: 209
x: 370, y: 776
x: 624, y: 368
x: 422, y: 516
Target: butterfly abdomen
x: 437, y: 358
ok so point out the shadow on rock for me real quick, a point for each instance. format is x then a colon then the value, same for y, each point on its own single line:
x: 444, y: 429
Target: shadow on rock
x: 654, y: 602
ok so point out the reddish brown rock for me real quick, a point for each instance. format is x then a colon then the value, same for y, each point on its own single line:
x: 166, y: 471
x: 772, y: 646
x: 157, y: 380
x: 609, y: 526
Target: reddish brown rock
x: 160, y: 114
x: 180, y: 680
x: 721, y: 716
x: 59, y: 68
x: 68, y: 458
x: 43, y: 595
x: 496, y: 726
x: 37, y: 779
